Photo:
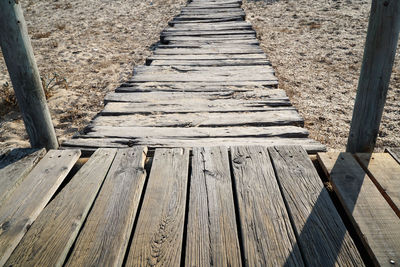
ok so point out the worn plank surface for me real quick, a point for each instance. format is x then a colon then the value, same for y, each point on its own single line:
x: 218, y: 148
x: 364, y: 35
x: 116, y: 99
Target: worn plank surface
x: 25, y: 203
x: 268, y: 237
x: 322, y: 236
x: 395, y: 152
x: 374, y: 220
x: 51, y: 236
x: 212, y: 237
x: 195, y: 132
x: 159, y: 231
x: 104, y: 238
x: 384, y: 171
x: 15, y: 166
x: 208, y: 71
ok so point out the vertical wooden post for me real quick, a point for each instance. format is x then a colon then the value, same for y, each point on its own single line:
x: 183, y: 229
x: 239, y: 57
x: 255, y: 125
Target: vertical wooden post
x: 379, y: 53
x: 21, y: 64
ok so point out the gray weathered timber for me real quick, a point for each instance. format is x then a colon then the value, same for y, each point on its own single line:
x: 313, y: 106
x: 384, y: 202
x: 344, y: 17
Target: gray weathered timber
x: 384, y: 172
x: 267, y: 235
x: 158, y: 235
x: 212, y: 237
x: 51, y: 236
x: 195, y: 57
x: 196, y: 132
x: 271, y: 96
x: 321, y: 235
x: 126, y: 108
x: 15, y: 166
x: 196, y: 87
x: 24, y: 74
x: 205, y: 86
x: 395, y: 153
x: 379, y: 53
x: 226, y: 62
x: 266, y: 118
x: 374, y: 220
x: 25, y: 203
x: 309, y: 145
x: 104, y: 238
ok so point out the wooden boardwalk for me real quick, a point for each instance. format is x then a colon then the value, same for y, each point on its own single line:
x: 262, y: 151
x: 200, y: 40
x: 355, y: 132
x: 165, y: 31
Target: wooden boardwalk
x: 207, y: 84
x: 252, y: 206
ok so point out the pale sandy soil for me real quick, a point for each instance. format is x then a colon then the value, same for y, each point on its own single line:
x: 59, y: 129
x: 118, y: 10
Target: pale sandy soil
x: 94, y: 45
x: 316, y: 48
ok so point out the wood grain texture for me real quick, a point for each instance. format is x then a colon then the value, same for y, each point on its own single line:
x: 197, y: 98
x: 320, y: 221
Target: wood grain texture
x: 212, y: 237
x: 158, y: 235
x: 372, y: 217
x: 395, y: 152
x: 322, y: 237
x: 267, y: 234
x: 104, y: 238
x: 384, y: 172
x: 196, y: 132
x: 265, y: 118
x: 112, y: 109
x: 269, y: 96
x: 15, y: 166
x: 376, y: 69
x: 23, y: 206
x: 18, y: 54
x: 51, y: 236
x: 309, y: 145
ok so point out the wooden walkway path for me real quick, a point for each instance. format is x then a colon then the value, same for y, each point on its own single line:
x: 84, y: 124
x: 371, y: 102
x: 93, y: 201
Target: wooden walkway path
x: 207, y: 84
x: 210, y: 206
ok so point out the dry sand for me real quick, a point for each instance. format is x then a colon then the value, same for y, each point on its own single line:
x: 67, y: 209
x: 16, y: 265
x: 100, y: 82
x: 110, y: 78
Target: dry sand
x: 315, y: 47
x: 94, y: 45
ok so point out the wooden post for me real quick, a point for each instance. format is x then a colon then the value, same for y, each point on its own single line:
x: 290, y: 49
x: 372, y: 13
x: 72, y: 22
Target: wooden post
x: 21, y: 64
x: 379, y: 53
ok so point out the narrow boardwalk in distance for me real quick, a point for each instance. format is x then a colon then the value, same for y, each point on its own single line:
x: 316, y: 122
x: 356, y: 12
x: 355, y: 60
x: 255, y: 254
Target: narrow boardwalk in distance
x: 208, y: 84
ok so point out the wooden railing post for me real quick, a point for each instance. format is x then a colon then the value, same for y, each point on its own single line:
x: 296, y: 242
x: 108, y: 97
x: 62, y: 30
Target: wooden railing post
x: 379, y: 53
x: 21, y: 64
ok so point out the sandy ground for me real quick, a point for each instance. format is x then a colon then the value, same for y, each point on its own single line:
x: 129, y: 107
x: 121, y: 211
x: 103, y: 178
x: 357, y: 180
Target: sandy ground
x: 92, y: 46
x: 315, y: 47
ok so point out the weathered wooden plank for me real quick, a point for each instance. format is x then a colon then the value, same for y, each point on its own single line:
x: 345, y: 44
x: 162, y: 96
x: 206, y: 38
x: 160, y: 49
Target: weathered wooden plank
x: 273, y: 96
x: 51, y: 236
x: 236, y: 39
x: 227, y: 62
x: 268, y: 237
x: 372, y: 217
x: 208, y: 57
x: 395, y: 152
x: 192, y: 26
x: 212, y: 237
x: 266, y: 118
x: 23, y: 206
x: 203, y: 74
x: 309, y: 145
x: 321, y: 235
x: 103, y: 240
x: 195, y: 132
x: 384, y: 172
x: 209, y: 16
x: 225, y: 70
x: 196, y: 87
x: 15, y: 166
x: 174, y: 22
x: 159, y: 231
x: 188, y: 49
x: 126, y: 108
